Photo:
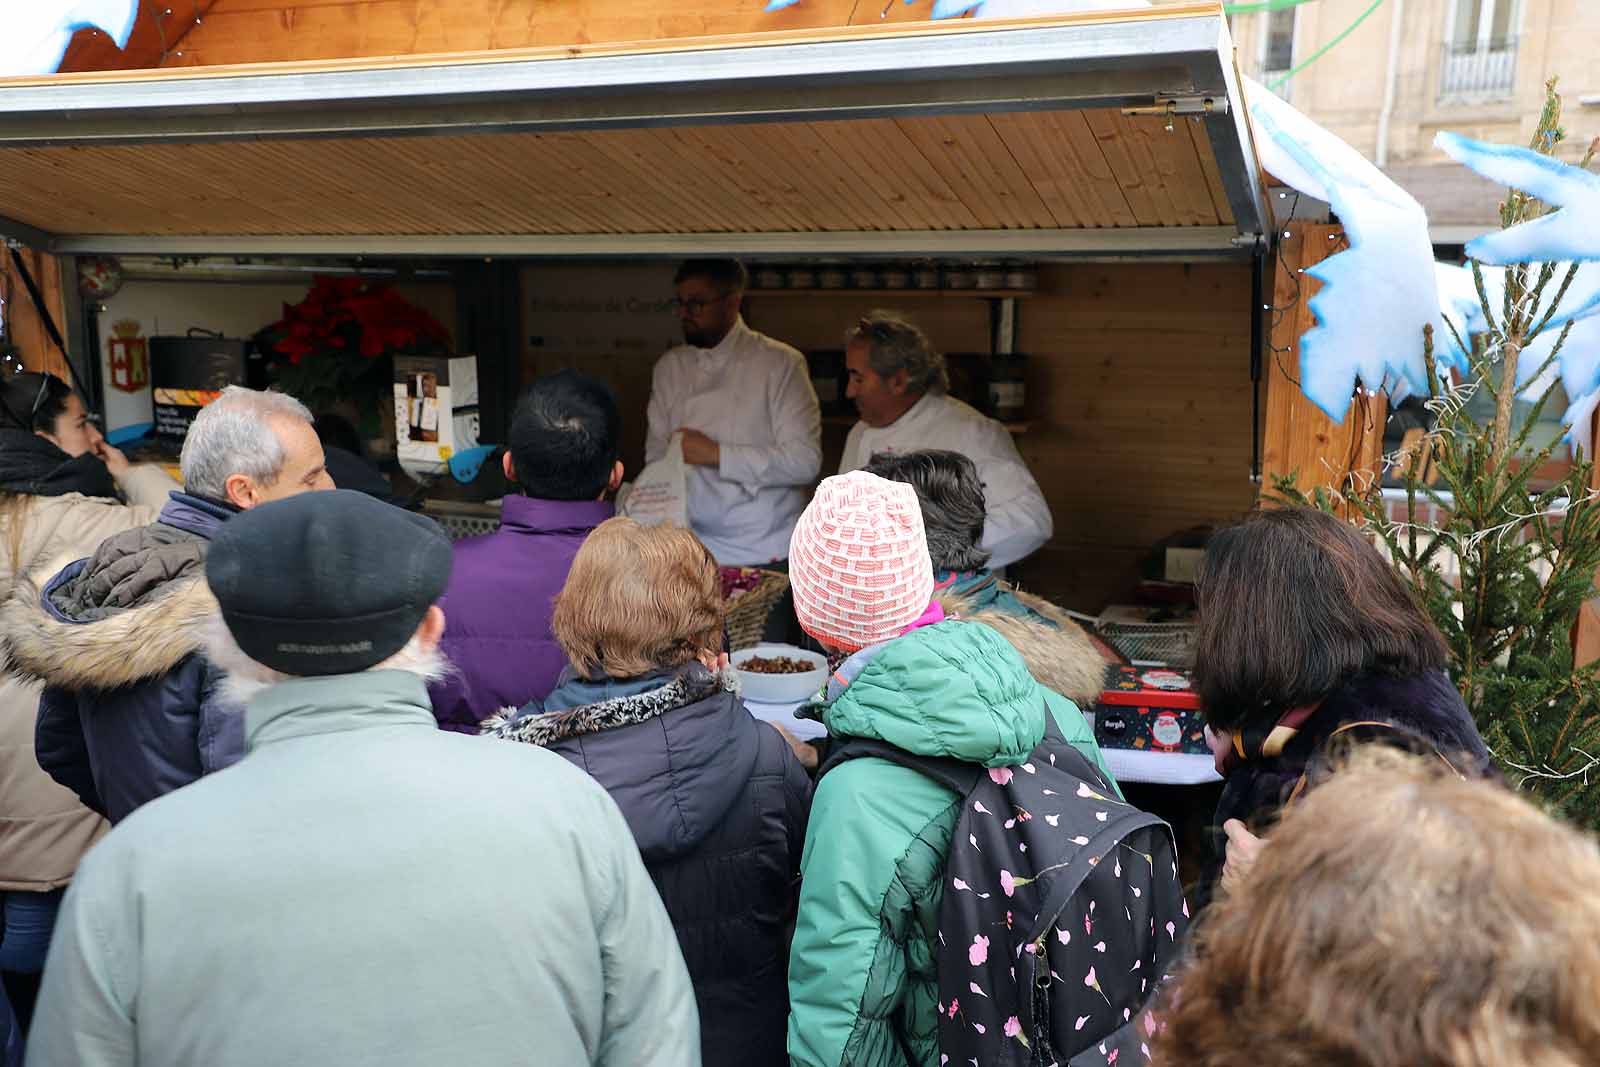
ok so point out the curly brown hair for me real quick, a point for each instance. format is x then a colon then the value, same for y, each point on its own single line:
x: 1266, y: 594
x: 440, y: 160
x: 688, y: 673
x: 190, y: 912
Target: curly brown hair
x: 638, y: 599
x: 1400, y: 916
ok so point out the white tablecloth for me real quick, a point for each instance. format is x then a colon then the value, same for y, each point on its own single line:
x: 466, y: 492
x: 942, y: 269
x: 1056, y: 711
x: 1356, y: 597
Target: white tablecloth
x: 1128, y: 765
x: 783, y: 715
x: 1160, y: 768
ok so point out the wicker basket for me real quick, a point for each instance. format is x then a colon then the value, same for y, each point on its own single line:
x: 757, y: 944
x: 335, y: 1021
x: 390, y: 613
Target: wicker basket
x: 747, y: 612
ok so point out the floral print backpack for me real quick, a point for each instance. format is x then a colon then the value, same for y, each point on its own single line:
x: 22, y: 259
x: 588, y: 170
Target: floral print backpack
x: 1062, y: 911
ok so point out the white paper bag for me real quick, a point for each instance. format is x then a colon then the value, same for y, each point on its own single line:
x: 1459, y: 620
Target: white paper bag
x: 661, y: 492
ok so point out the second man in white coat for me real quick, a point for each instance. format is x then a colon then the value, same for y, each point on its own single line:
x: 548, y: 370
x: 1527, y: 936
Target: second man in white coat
x: 899, y: 385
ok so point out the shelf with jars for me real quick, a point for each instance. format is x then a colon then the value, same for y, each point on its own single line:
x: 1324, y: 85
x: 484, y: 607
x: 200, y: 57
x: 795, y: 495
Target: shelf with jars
x: 989, y: 279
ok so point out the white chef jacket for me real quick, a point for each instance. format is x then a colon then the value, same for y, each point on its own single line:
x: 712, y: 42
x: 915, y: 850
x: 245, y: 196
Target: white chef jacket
x: 1018, y: 519
x: 753, y: 396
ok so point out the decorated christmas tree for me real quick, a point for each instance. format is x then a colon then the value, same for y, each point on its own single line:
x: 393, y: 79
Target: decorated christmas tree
x: 1504, y: 564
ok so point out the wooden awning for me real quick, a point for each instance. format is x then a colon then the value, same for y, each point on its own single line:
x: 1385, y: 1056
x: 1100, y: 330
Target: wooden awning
x: 1105, y: 133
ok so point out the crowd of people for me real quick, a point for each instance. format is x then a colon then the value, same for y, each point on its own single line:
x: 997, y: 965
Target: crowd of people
x: 324, y: 788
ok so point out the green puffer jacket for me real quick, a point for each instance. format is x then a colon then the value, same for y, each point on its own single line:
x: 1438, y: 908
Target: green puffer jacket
x: 863, y: 970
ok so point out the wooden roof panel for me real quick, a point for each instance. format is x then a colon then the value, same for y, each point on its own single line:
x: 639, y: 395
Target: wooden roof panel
x: 1019, y: 170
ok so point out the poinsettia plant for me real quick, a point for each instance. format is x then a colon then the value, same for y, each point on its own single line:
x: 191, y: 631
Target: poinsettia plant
x: 337, y: 344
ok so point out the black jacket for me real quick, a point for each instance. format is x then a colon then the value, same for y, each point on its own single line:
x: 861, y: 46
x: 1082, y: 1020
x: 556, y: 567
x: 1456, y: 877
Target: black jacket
x: 1424, y: 713
x: 718, y: 804
x: 131, y: 708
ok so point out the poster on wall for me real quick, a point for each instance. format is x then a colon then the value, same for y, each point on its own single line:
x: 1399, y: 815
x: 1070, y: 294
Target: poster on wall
x: 608, y: 321
x: 600, y: 310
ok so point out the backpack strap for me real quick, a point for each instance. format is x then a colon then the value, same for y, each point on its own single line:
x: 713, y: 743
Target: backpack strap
x: 956, y: 775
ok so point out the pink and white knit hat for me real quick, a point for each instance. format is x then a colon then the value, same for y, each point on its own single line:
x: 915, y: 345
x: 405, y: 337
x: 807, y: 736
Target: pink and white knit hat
x: 858, y: 561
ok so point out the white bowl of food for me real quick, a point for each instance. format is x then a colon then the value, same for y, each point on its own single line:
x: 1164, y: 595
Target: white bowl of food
x: 780, y: 674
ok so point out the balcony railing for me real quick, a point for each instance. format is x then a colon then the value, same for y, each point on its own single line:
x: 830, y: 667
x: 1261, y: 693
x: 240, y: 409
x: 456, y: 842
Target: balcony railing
x: 1479, y: 69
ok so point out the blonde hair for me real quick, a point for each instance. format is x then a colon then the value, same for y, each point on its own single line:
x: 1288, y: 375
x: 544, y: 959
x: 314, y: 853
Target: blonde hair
x: 638, y: 599
x: 15, y: 512
x: 1400, y: 915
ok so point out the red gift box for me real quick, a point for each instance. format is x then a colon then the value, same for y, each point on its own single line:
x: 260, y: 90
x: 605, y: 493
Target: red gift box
x: 1153, y: 709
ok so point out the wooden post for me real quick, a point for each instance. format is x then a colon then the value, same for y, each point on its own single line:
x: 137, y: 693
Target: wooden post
x: 1586, y: 634
x: 26, y: 325
x: 1298, y: 438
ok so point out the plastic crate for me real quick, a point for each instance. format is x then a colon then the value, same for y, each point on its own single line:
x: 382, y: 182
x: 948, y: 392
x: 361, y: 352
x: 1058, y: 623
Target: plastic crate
x: 461, y: 519
x: 1167, y: 644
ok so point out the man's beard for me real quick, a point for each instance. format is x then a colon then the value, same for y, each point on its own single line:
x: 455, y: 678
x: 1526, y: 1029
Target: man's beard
x: 701, y: 338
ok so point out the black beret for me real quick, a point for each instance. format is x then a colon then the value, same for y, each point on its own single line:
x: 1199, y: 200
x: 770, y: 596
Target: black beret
x: 326, y: 583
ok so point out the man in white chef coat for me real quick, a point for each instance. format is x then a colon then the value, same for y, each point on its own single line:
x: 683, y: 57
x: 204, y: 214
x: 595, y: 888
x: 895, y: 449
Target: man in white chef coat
x: 899, y: 385
x: 752, y: 431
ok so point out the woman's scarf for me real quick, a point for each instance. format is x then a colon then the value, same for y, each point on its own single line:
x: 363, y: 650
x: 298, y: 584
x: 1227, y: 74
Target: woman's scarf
x: 31, y: 465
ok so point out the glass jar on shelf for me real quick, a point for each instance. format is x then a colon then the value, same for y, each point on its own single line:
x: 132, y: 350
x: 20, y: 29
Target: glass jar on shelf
x: 925, y: 275
x: 960, y: 276
x: 896, y: 276
x: 770, y: 276
x: 832, y: 276
x: 864, y: 276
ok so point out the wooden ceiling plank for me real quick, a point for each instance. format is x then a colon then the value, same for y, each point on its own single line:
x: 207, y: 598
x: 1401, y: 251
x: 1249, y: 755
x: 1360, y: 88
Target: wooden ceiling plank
x: 1134, y: 182
x: 1129, y: 136
x: 942, y: 151
x: 853, y: 143
x: 1213, y: 175
x: 922, y: 184
x: 679, y: 203
x: 716, y: 207
x: 343, y: 183
x: 526, y: 188
x: 1037, y: 155
x: 1178, y: 166
x: 191, y: 188
x: 749, y: 164
x: 1007, y: 167
x: 663, y: 157
x: 845, y: 202
x: 993, y: 169
x: 1101, y: 177
x: 577, y: 155
x: 445, y: 183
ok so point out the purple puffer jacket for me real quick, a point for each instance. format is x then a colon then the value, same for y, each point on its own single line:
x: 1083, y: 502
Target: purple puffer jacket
x: 497, y: 609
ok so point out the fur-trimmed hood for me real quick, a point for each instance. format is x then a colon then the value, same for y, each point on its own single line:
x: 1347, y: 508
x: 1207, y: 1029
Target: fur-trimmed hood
x: 545, y: 729
x: 1058, y: 653
x: 675, y: 752
x: 131, y: 612
x: 128, y: 646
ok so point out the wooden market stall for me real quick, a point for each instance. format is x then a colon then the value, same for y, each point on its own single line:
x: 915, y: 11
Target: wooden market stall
x: 1109, y: 150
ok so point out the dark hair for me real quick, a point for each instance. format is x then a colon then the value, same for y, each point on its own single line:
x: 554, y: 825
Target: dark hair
x: 336, y: 431
x: 33, y: 401
x: 895, y: 344
x: 951, y: 494
x: 728, y: 275
x: 1294, y: 602
x: 564, y: 437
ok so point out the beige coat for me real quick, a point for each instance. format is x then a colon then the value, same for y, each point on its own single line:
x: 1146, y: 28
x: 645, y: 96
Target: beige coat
x: 1060, y: 657
x: 44, y: 831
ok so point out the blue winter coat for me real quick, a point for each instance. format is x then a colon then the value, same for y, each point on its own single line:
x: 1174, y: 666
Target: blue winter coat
x: 131, y: 708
